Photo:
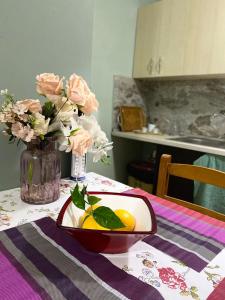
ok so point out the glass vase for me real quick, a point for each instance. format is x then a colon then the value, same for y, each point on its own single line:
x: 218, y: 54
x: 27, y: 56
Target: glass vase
x: 40, y: 172
x: 78, y: 167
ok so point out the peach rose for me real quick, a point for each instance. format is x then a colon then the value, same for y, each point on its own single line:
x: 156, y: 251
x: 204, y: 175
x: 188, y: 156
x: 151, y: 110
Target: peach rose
x: 49, y: 84
x: 90, y: 105
x: 34, y: 106
x: 77, y: 90
x: 80, y: 142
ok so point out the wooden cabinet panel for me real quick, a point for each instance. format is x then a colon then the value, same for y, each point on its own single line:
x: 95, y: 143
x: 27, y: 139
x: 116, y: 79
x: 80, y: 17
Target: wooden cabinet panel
x: 173, y: 35
x: 199, y: 45
x: 147, y: 40
x: 205, y: 46
x: 180, y: 38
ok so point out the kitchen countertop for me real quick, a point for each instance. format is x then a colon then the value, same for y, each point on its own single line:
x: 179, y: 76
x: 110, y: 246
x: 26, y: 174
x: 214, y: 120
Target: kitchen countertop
x: 164, y: 140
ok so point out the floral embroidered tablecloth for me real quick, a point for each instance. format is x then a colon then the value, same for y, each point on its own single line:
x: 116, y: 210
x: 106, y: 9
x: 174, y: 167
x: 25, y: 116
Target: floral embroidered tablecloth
x: 14, y: 212
x: 185, y: 259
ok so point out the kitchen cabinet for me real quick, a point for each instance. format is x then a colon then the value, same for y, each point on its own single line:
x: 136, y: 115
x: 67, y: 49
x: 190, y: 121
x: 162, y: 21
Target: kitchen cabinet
x: 173, y: 36
x: 147, y: 40
x: 205, y: 46
x: 180, y: 38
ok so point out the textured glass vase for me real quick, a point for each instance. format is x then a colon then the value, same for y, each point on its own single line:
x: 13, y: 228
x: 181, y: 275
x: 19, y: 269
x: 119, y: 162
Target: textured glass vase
x: 40, y: 172
x: 78, y: 167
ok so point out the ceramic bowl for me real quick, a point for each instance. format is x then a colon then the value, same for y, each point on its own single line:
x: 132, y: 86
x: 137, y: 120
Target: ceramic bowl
x: 110, y: 241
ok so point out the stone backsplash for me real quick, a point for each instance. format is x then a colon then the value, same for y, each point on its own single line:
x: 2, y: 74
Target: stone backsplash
x: 176, y: 106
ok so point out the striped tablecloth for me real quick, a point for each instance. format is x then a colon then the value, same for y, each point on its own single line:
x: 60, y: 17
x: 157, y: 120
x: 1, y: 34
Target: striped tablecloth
x: 184, y: 260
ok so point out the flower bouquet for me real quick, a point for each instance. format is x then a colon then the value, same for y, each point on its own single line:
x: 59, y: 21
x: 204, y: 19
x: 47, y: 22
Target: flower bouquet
x: 64, y: 117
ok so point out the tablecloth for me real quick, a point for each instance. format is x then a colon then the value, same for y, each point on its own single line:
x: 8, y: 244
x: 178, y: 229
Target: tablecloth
x: 185, y: 259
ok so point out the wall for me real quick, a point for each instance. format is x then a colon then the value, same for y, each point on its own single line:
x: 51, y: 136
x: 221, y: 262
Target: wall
x: 112, y: 53
x: 63, y: 37
x: 176, y: 106
x: 36, y: 37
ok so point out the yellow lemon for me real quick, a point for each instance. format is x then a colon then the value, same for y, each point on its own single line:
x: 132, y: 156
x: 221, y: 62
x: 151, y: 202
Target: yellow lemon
x: 81, y: 219
x: 90, y: 223
x: 127, y: 218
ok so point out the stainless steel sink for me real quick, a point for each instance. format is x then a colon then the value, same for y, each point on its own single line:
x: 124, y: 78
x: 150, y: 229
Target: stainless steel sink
x: 200, y: 140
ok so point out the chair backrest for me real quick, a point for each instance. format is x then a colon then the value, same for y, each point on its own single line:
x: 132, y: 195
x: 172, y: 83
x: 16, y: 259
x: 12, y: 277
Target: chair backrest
x: 202, y: 174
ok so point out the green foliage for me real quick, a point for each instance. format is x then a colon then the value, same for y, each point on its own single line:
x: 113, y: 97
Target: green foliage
x: 48, y: 109
x: 30, y: 172
x: 92, y: 200
x: 78, y: 197
x: 103, y: 215
x: 106, y: 160
x: 74, y: 131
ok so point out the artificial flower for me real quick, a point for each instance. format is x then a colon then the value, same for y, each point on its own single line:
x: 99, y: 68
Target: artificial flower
x: 49, y: 85
x: 66, y: 114
x: 40, y: 125
x: 91, y: 104
x: 77, y: 90
x: 24, y: 133
x: 80, y: 141
x: 34, y: 106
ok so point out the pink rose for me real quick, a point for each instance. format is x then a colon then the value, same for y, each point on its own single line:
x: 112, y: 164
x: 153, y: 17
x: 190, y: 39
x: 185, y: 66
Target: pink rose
x: 80, y: 142
x: 49, y: 84
x: 77, y: 90
x: 24, y: 133
x: 34, y: 106
x: 90, y: 105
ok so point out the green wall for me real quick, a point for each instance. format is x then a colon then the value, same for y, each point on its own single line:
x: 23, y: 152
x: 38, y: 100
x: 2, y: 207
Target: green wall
x: 94, y: 38
x: 112, y: 54
x: 36, y: 37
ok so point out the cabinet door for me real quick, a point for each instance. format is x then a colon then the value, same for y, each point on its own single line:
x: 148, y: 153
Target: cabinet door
x: 199, y: 44
x: 205, y: 46
x: 217, y: 57
x: 147, y: 40
x: 173, y: 35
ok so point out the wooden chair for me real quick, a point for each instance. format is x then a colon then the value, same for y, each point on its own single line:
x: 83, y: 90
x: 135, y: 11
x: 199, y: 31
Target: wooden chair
x: 202, y: 174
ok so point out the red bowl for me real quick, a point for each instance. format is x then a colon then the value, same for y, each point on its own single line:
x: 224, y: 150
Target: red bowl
x: 105, y: 241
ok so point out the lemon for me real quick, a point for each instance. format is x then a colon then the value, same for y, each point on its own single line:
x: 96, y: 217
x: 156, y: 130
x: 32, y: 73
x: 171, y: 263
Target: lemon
x: 90, y: 223
x: 126, y: 218
x: 81, y: 219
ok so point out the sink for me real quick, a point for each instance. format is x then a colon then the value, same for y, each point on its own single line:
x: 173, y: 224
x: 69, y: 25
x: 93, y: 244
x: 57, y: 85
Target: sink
x: 200, y: 140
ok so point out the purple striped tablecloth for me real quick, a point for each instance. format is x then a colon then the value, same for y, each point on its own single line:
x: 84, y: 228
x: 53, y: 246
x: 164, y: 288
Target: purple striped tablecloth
x: 184, y: 260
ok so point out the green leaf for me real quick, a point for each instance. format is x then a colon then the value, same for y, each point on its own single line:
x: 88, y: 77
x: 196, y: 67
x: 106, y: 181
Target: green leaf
x: 93, y: 200
x: 78, y: 197
x: 105, y: 217
x: 84, y: 190
x: 87, y: 216
x: 48, y: 109
x: 30, y: 172
x: 74, y: 131
x: 194, y: 289
x: 12, y: 139
x: 106, y: 160
x: 184, y: 293
x: 194, y: 296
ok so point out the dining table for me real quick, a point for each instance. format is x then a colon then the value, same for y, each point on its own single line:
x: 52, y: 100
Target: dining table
x: 184, y: 259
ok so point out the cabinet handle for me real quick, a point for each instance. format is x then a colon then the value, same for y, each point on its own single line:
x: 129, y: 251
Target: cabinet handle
x: 159, y: 67
x: 150, y: 66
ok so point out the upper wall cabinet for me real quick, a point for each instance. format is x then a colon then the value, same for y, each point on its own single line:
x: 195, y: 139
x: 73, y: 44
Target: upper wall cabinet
x: 180, y: 38
x: 147, y: 40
